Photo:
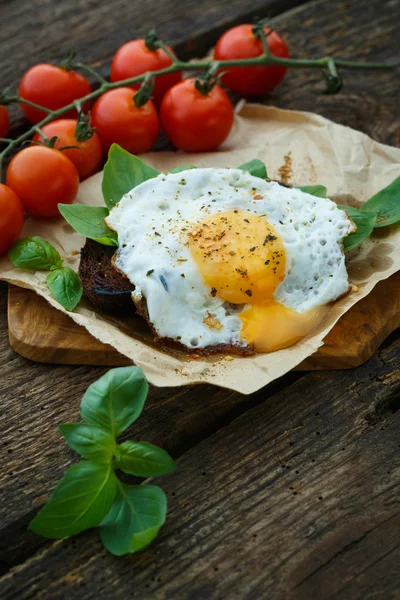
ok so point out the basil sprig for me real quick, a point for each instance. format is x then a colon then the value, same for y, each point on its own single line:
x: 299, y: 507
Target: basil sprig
x: 122, y: 172
x: 90, y: 493
x: 315, y: 190
x: 34, y: 253
x: 89, y: 222
x: 256, y: 168
x: 37, y: 254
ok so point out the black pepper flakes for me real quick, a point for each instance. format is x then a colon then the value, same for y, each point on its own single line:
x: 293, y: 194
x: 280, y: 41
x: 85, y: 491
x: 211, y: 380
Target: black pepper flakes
x: 248, y: 292
x: 269, y: 238
x: 213, y: 292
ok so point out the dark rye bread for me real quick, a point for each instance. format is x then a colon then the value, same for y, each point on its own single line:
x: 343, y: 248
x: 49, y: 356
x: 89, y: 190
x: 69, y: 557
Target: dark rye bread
x: 105, y: 287
x: 109, y: 291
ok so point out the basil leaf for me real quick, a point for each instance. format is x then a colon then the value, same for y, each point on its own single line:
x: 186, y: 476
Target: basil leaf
x: 89, y: 222
x: 89, y: 441
x: 314, y: 190
x: 143, y: 459
x: 122, y: 172
x: 81, y: 500
x: 34, y: 253
x: 115, y: 400
x: 365, y: 222
x: 135, y: 518
x: 386, y: 204
x: 65, y: 286
x: 256, y: 168
x: 183, y: 168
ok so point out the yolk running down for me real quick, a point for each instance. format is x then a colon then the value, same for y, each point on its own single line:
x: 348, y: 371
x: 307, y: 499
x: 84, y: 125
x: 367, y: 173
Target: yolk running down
x: 242, y: 260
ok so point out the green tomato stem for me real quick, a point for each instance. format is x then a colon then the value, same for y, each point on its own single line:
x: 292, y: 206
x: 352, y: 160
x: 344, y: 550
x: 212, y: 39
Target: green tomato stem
x: 264, y: 59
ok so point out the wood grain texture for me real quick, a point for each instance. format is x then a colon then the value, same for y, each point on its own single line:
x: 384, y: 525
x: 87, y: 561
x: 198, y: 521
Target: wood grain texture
x: 238, y: 531
x: 42, y: 333
x: 278, y: 504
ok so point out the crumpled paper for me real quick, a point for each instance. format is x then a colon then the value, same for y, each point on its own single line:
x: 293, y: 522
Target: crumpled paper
x: 299, y: 148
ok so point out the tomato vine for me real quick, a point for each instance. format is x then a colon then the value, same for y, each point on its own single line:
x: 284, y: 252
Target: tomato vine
x: 328, y: 65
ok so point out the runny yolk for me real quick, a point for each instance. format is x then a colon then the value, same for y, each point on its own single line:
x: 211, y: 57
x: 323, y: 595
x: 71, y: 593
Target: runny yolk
x: 272, y: 326
x: 242, y: 260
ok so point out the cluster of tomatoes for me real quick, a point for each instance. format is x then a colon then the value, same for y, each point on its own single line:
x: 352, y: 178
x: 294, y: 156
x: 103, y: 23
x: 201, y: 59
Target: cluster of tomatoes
x: 195, y: 116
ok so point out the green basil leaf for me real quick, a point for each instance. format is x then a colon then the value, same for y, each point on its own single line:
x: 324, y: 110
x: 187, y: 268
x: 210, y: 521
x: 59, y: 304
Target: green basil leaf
x: 115, y: 400
x: 143, y: 459
x: 65, y: 286
x: 122, y: 172
x: 183, y: 168
x: 89, y: 222
x: 81, y: 500
x: 89, y: 441
x: 365, y: 222
x: 34, y: 253
x: 314, y: 190
x: 135, y: 518
x: 256, y: 168
x: 386, y: 204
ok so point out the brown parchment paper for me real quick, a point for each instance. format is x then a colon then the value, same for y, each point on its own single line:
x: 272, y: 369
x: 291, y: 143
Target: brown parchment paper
x: 298, y: 147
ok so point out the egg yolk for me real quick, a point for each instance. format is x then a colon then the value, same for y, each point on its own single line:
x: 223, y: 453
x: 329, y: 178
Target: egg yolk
x: 272, y: 326
x: 242, y: 260
x: 239, y: 255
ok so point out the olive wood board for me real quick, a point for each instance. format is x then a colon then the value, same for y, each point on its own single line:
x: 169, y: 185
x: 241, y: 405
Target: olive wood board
x: 42, y: 333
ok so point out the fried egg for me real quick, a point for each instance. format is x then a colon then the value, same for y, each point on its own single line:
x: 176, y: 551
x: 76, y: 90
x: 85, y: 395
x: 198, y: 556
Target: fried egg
x: 225, y: 258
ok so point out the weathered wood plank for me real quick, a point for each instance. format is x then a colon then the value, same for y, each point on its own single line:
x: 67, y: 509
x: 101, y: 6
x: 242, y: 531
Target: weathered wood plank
x: 43, y: 31
x: 356, y: 30
x: 37, y: 398
x: 341, y: 545
x: 298, y: 498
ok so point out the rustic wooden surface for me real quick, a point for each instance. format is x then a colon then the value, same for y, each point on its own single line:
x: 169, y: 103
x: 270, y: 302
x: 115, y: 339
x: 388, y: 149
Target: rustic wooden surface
x: 289, y: 493
x: 42, y: 333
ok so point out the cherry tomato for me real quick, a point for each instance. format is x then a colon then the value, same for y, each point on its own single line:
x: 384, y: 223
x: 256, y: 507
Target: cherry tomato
x: 51, y: 87
x: 134, y: 58
x: 240, y: 42
x: 42, y: 177
x: 11, y: 218
x: 87, y: 159
x: 117, y: 120
x: 4, y: 122
x: 195, y: 122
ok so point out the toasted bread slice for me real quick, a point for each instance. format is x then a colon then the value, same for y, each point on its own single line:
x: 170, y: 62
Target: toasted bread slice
x: 105, y: 287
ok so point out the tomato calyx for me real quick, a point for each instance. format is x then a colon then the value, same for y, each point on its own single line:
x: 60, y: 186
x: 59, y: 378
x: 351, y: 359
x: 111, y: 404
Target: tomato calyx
x: 145, y: 92
x: 6, y: 97
x: 332, y: 78
x: 152, y: 41
x: 84, y: 131
x: 262, y: 35
x: 205, y: 83
x: 51, y: 142
x: 66, y: 63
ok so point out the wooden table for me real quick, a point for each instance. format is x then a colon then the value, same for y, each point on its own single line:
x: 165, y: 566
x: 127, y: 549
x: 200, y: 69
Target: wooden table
x: 292, y: 492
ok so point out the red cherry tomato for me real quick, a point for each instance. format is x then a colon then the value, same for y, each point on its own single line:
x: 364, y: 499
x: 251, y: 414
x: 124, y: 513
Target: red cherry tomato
x: 11, y: 218
x: 240, y: 42
x: 51, y: 87
x: 42, y: 177
x: 117, y: 120
x: 195, y: 122
x: 86, y: 157
x: 4, y: 122
x: 134, y: 58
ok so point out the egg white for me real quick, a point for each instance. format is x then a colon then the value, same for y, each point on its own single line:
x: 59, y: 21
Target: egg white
x: 152, y: 253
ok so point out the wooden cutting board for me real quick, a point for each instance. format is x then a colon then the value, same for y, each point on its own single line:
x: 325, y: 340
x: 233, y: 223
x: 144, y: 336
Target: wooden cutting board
x: 42, y: 333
